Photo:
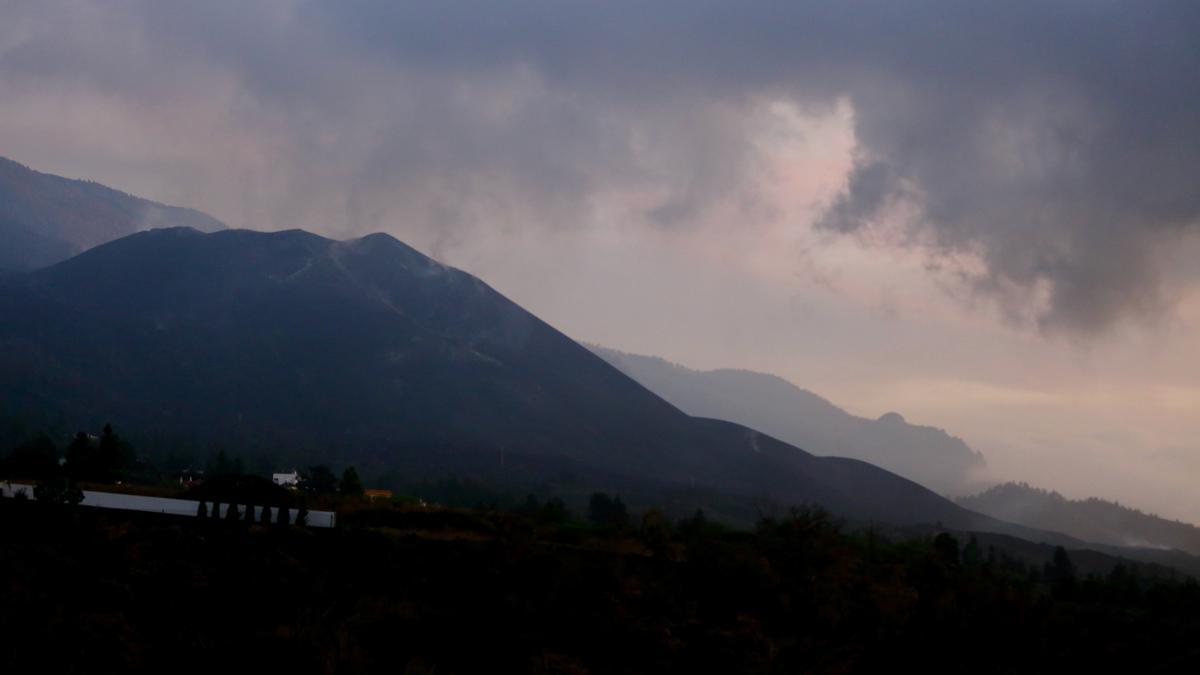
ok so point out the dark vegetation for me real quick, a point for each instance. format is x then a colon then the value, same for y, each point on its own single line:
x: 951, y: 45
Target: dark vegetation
x: 107, y: 463
x: 411, y: 589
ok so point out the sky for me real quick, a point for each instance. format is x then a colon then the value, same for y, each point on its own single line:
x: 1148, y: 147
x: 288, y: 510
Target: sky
x: 983, y: 216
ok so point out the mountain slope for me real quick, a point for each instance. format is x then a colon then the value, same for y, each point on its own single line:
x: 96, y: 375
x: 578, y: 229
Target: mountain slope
x: 1094, y: 520
x: 367, y: 351
x: 45, y: 218
x: 777, y: 407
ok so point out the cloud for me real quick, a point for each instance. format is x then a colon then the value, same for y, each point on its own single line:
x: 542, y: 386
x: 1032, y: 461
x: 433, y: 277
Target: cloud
x: 1056, y: 142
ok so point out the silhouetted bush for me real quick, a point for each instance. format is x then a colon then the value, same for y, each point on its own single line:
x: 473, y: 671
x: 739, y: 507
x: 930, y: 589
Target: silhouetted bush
x: 318, y: 480
x: 35, y: 459
x: 58, y: 490
x: 351, y: 485
x: 607, y: 511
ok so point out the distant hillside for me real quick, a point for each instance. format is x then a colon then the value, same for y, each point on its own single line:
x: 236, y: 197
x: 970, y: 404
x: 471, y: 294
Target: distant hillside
x: 45, y: 218
x: 1094, y: 520
x: 777, y: 407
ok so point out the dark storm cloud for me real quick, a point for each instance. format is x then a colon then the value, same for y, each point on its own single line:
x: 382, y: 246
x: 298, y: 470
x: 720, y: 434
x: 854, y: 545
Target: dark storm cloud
x: 1058, y: 141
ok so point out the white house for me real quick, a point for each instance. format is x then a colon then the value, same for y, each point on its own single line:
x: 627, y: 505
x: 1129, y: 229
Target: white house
x: 286, y: 479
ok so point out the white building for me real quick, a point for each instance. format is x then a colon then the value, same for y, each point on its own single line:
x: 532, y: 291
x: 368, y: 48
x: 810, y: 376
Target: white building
x: 286, y: 479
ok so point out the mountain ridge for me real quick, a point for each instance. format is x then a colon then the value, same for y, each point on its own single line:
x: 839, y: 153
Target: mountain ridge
x: 291, y: 340
x: 45, y: 218
x: 772, y: 404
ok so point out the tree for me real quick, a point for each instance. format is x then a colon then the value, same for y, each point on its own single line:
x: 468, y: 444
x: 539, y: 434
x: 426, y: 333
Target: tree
x: 531, y: 506
x: 231, y: 513
x: 216, y: 510
x: 656, y: 530
x: 319, y: 480
x: 98, y: 459
x: 36, y: 458
x: 351, y: 486
x: 302, y: 514
x: 281, y: 518
x: 1060, y: 569
x: 81, y: 457
x: 250, y: 513
x: 112, y: 455
x: 698, y: 522
x: 554, y: 511
x: 606, y: 511
x: 971, y: 555
x: 202, y: 510
x: 945, y: 546
x: 265, y: 517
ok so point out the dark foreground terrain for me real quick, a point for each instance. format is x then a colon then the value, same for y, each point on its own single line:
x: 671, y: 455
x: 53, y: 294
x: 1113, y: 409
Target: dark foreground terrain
x: 405, y: 589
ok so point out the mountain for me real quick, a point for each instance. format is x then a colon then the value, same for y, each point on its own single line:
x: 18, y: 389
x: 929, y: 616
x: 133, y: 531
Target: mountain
x: 1094, y: 520
x: 302, y: 348
x: 45, y: 219
x: 777, y: 407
